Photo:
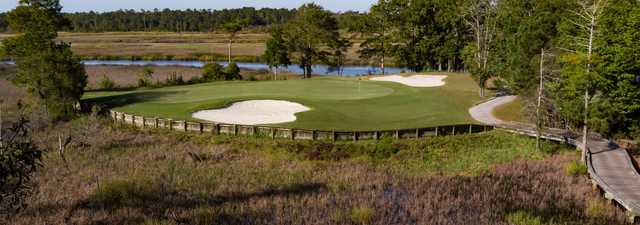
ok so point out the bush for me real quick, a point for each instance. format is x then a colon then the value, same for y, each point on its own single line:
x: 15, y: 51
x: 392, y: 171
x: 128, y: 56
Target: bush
x: 20, y: 159
x: 596, y: 208
x: 144, y: 79
x: 117, y: 193
x: 523, y: 218
x: 106, y: 83
x: 232, y: 72
x: 575, y: 168
x: 174, y: 79
x: 361, y: 215
x: 213, y: 71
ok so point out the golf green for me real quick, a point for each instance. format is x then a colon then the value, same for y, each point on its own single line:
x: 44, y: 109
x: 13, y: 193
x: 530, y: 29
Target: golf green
x: 336, y: 103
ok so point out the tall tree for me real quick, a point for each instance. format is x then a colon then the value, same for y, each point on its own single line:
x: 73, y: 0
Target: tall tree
x: 617, y: 110
x: 480, y: 17
x: 46, y: 68
x: 525, y: 34
x: 337, y: 56
x: 581, y: 32
x: 376, y: 28
x: 308, y: 34
x: 276, y: 54
x: 232, y: 29
x: 524, y: 27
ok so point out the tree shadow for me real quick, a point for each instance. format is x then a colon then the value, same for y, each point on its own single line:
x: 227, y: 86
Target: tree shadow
x: 158, y: 200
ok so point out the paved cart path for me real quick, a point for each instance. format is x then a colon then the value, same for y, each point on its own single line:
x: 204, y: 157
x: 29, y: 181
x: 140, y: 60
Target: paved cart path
x: 610, y: 167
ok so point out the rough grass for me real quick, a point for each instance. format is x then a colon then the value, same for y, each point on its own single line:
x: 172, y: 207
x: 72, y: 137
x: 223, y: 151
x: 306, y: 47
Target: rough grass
x: 511, y: 112
x: 248, y: 47
x: 120, y: 176
x: 341, y: 104
x: 126, y: 77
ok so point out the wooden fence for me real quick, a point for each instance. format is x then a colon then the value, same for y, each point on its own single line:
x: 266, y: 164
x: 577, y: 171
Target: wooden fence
x: 292, y: 133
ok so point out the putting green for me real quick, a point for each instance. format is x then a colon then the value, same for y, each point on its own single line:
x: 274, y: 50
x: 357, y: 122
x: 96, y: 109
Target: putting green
x: 336, y: 103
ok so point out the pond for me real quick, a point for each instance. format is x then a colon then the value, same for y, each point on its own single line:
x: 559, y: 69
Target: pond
x: 317, y: 69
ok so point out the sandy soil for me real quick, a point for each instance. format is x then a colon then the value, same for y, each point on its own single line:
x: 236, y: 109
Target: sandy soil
x: 254, y: 112
x: 415, y: 81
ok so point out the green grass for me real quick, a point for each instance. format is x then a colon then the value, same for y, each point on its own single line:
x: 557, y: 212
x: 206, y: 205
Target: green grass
x: 337, y: 103
x: 511, y: 111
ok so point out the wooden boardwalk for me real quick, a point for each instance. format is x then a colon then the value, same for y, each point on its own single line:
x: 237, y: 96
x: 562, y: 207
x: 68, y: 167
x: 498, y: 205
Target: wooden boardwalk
x: 611, y: 168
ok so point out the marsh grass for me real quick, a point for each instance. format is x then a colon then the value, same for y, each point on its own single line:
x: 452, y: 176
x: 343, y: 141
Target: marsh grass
x: 121, y: 175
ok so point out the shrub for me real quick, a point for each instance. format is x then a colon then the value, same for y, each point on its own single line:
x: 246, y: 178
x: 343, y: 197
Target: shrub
x: 361, y: 215
x: 122, y: 192
x: 20, y: 159
x: 575, y: 168
x: 596, y: 208
x: 106, y: 83
x: 144, y: 79
x: 522, y: 218
x: 232, y: 72
x: 174, y: 79
x: 213, y: 71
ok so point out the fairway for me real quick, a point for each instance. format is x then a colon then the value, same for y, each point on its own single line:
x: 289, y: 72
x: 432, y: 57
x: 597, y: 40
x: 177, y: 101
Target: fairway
x: 336, y: 103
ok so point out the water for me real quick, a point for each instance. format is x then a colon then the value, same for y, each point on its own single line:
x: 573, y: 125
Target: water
x: 317, y: 69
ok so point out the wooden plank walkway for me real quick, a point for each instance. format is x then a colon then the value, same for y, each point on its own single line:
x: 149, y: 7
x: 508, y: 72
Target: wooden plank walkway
x: 611, y: 168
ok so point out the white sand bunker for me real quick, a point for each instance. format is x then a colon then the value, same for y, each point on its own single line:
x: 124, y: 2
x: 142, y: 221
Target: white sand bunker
x: 254, y: 112
x: 415, y: 81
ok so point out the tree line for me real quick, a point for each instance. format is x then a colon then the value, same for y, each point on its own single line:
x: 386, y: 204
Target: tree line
x: 166, y: 20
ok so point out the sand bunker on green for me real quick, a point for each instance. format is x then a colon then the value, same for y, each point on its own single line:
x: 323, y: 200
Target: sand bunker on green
x: 254, y: 112
x: 335, y: 103
x: 415, y: 80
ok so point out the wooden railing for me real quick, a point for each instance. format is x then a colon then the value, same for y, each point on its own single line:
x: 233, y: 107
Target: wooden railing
x: 292, y: 133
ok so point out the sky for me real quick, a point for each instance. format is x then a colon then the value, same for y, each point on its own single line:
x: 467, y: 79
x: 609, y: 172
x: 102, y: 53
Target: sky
x: 111, y: 5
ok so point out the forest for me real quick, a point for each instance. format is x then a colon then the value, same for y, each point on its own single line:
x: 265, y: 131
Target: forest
x: 167, y: 20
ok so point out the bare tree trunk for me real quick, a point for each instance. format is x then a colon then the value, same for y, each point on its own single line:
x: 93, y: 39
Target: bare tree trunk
x: 275, y: 73
x: 382, y: 64
x: 587, y: 98
x: 230, y: 43
x: 539, y: 104
x: 1, y: 141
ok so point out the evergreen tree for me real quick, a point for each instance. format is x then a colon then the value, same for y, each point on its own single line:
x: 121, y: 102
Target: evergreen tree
x: 276, y: 54
x: 46, y: 68
x: 308, y: 32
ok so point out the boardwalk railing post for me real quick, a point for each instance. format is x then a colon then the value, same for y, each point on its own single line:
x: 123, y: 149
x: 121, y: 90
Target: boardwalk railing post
x: 155, y: 123
x: 397, y: 134
x: 185, y: 126
x: 333, y: 136
x: 417, y: 133
x: 144, y: 122
x: 235, y: 130
x: 293, y: 134
x: 355, y: 136
x: 436, y: 131
x: 376, y: 135
x: 170, y: 124
x: 273, y: 133
x: 470, y: 128
x: 454, y: 130
x: 314, y: 135
x: 201, y: 127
